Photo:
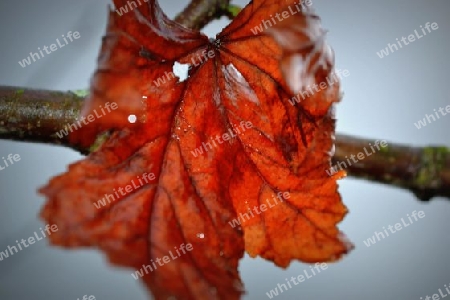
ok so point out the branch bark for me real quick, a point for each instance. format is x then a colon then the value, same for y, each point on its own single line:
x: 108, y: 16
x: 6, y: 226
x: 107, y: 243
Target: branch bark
x: 37, y: 115
x: 423, y: 170
x: 28, y: 115
x: 200, y: 12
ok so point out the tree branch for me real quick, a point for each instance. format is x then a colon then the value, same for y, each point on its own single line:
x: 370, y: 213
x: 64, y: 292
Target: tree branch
x: 423, y: 170
x: 200, y: 12
x: 36, y: 116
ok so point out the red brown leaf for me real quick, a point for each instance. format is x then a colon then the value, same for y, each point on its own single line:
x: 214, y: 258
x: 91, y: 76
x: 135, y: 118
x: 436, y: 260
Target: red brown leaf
x: 266, y: 148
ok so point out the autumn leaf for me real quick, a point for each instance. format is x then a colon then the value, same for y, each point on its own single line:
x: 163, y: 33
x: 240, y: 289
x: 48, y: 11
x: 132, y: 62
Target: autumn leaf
x: 207, y: 151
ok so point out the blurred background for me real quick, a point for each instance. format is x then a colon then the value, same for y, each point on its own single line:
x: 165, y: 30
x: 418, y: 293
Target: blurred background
x: 383, y: 98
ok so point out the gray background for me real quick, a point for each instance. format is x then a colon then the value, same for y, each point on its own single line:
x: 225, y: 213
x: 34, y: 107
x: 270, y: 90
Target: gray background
x: 383, y: 98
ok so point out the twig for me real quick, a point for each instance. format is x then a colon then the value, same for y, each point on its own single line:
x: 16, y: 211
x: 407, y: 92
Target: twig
x: 200, y: 12
x: 28, y: 115
x: 423, y: 170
